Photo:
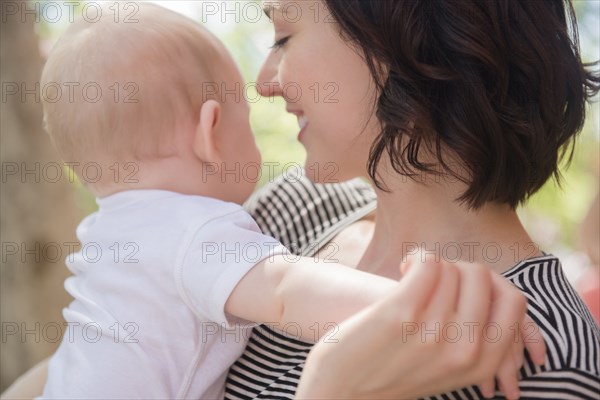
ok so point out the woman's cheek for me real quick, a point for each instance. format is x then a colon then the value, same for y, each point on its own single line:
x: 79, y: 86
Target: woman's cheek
x: 303, y: 75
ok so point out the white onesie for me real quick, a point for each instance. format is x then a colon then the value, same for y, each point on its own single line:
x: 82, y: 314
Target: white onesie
x: 150, y: 285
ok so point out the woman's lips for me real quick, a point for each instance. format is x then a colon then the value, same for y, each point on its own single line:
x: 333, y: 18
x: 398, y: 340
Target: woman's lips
x: 302, y: 123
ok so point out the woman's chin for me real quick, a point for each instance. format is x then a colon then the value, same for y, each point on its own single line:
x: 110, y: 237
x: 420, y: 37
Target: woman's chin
x: 325, y: 171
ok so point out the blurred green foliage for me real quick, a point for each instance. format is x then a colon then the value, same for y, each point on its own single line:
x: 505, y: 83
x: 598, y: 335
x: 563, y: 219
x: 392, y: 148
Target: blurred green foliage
x: 553, y: 214
x: 276, y: 130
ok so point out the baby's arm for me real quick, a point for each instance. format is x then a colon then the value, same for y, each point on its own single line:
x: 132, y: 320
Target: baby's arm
x: 304, y: 292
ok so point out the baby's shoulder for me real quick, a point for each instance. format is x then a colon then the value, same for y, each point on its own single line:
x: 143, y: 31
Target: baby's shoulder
x: 196, y: 211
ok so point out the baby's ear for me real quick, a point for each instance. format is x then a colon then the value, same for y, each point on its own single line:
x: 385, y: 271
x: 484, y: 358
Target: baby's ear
x: 205, y: 137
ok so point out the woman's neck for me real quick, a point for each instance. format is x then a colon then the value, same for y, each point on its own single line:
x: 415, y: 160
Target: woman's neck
x: 426, y: 222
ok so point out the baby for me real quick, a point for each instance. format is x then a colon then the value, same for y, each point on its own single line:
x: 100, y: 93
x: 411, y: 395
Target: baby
x: 172, y: 271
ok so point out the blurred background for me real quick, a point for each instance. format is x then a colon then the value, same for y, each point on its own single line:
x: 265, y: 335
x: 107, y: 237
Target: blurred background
x: 39, y: 214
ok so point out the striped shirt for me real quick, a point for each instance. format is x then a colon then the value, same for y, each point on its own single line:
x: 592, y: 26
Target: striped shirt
x: 305, y: 216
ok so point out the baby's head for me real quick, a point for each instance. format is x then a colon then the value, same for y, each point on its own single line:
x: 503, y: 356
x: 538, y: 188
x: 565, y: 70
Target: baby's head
x: 147, y: 89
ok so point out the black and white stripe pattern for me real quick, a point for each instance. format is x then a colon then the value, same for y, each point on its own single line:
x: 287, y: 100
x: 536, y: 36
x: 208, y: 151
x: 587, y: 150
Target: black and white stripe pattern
x: 304, y: 216
x: 572, y: 369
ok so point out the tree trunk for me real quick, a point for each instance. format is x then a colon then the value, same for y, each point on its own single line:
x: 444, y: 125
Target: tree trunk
x: 38, y: 215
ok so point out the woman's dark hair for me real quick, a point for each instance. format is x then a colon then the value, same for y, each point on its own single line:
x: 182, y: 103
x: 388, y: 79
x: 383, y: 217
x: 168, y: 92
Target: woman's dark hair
x: 497, y: 85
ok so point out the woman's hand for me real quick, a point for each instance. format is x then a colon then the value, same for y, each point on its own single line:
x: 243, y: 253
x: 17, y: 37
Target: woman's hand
x: 444, y: 328
x: 527, y: 336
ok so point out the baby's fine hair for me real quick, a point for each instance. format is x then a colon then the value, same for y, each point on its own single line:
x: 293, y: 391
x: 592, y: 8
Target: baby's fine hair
x: 138, y: 81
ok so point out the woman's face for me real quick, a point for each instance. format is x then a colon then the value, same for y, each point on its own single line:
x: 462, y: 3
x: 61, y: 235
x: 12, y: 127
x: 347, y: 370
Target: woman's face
x: 326, y: 84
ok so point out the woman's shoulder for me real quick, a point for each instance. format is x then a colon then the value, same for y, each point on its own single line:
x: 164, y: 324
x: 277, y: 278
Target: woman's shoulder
x: 572, y: 368
x: 571, y: 333
x: 295, y: 181
x: 299, y: 213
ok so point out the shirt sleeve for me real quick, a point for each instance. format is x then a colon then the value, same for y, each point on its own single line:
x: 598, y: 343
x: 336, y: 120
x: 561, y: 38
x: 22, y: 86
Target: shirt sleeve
x: 215, y: 257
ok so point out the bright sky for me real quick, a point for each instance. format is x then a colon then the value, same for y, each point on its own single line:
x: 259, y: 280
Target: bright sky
x: 218, y: 15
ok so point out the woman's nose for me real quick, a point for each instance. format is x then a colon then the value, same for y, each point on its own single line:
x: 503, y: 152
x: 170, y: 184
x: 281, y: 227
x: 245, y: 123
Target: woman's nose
x: 267, y: 83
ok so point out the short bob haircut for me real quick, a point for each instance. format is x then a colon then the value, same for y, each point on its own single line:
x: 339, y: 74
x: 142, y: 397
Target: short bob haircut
x: 497, y: 85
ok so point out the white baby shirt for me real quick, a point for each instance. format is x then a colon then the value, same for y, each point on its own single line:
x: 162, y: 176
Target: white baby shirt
x: 150, y: 285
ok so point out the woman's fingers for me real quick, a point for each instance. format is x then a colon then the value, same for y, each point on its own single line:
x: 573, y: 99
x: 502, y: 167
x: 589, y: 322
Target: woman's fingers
x: 534, y: 341
x: 377, y: 340
x: 417, y: 287
x: 472, y: 313
x: 508, y: 309
x: 443, y: 304
x: 487, y: 388
x: 516, y: 331
x: 508, y: 372
x: 475, y: 293
x: 507, y: 375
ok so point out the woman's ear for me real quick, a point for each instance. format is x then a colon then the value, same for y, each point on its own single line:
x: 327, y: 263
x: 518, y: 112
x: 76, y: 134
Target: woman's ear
x: 205, y: 137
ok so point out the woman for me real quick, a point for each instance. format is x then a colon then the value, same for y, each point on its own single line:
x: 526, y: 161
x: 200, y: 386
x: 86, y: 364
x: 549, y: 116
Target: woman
x: 348, y: 206
x: 457, y: 111
x: 436, y: 102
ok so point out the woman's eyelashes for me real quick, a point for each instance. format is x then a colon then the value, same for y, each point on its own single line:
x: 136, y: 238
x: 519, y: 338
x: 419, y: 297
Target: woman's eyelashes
x: 280, y: 43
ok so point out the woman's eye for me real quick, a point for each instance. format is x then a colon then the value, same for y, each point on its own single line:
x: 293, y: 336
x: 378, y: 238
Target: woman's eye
x: 280, y: 43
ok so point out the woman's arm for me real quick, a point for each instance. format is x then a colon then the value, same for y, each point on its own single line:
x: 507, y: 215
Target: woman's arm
x: 30, y: 385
